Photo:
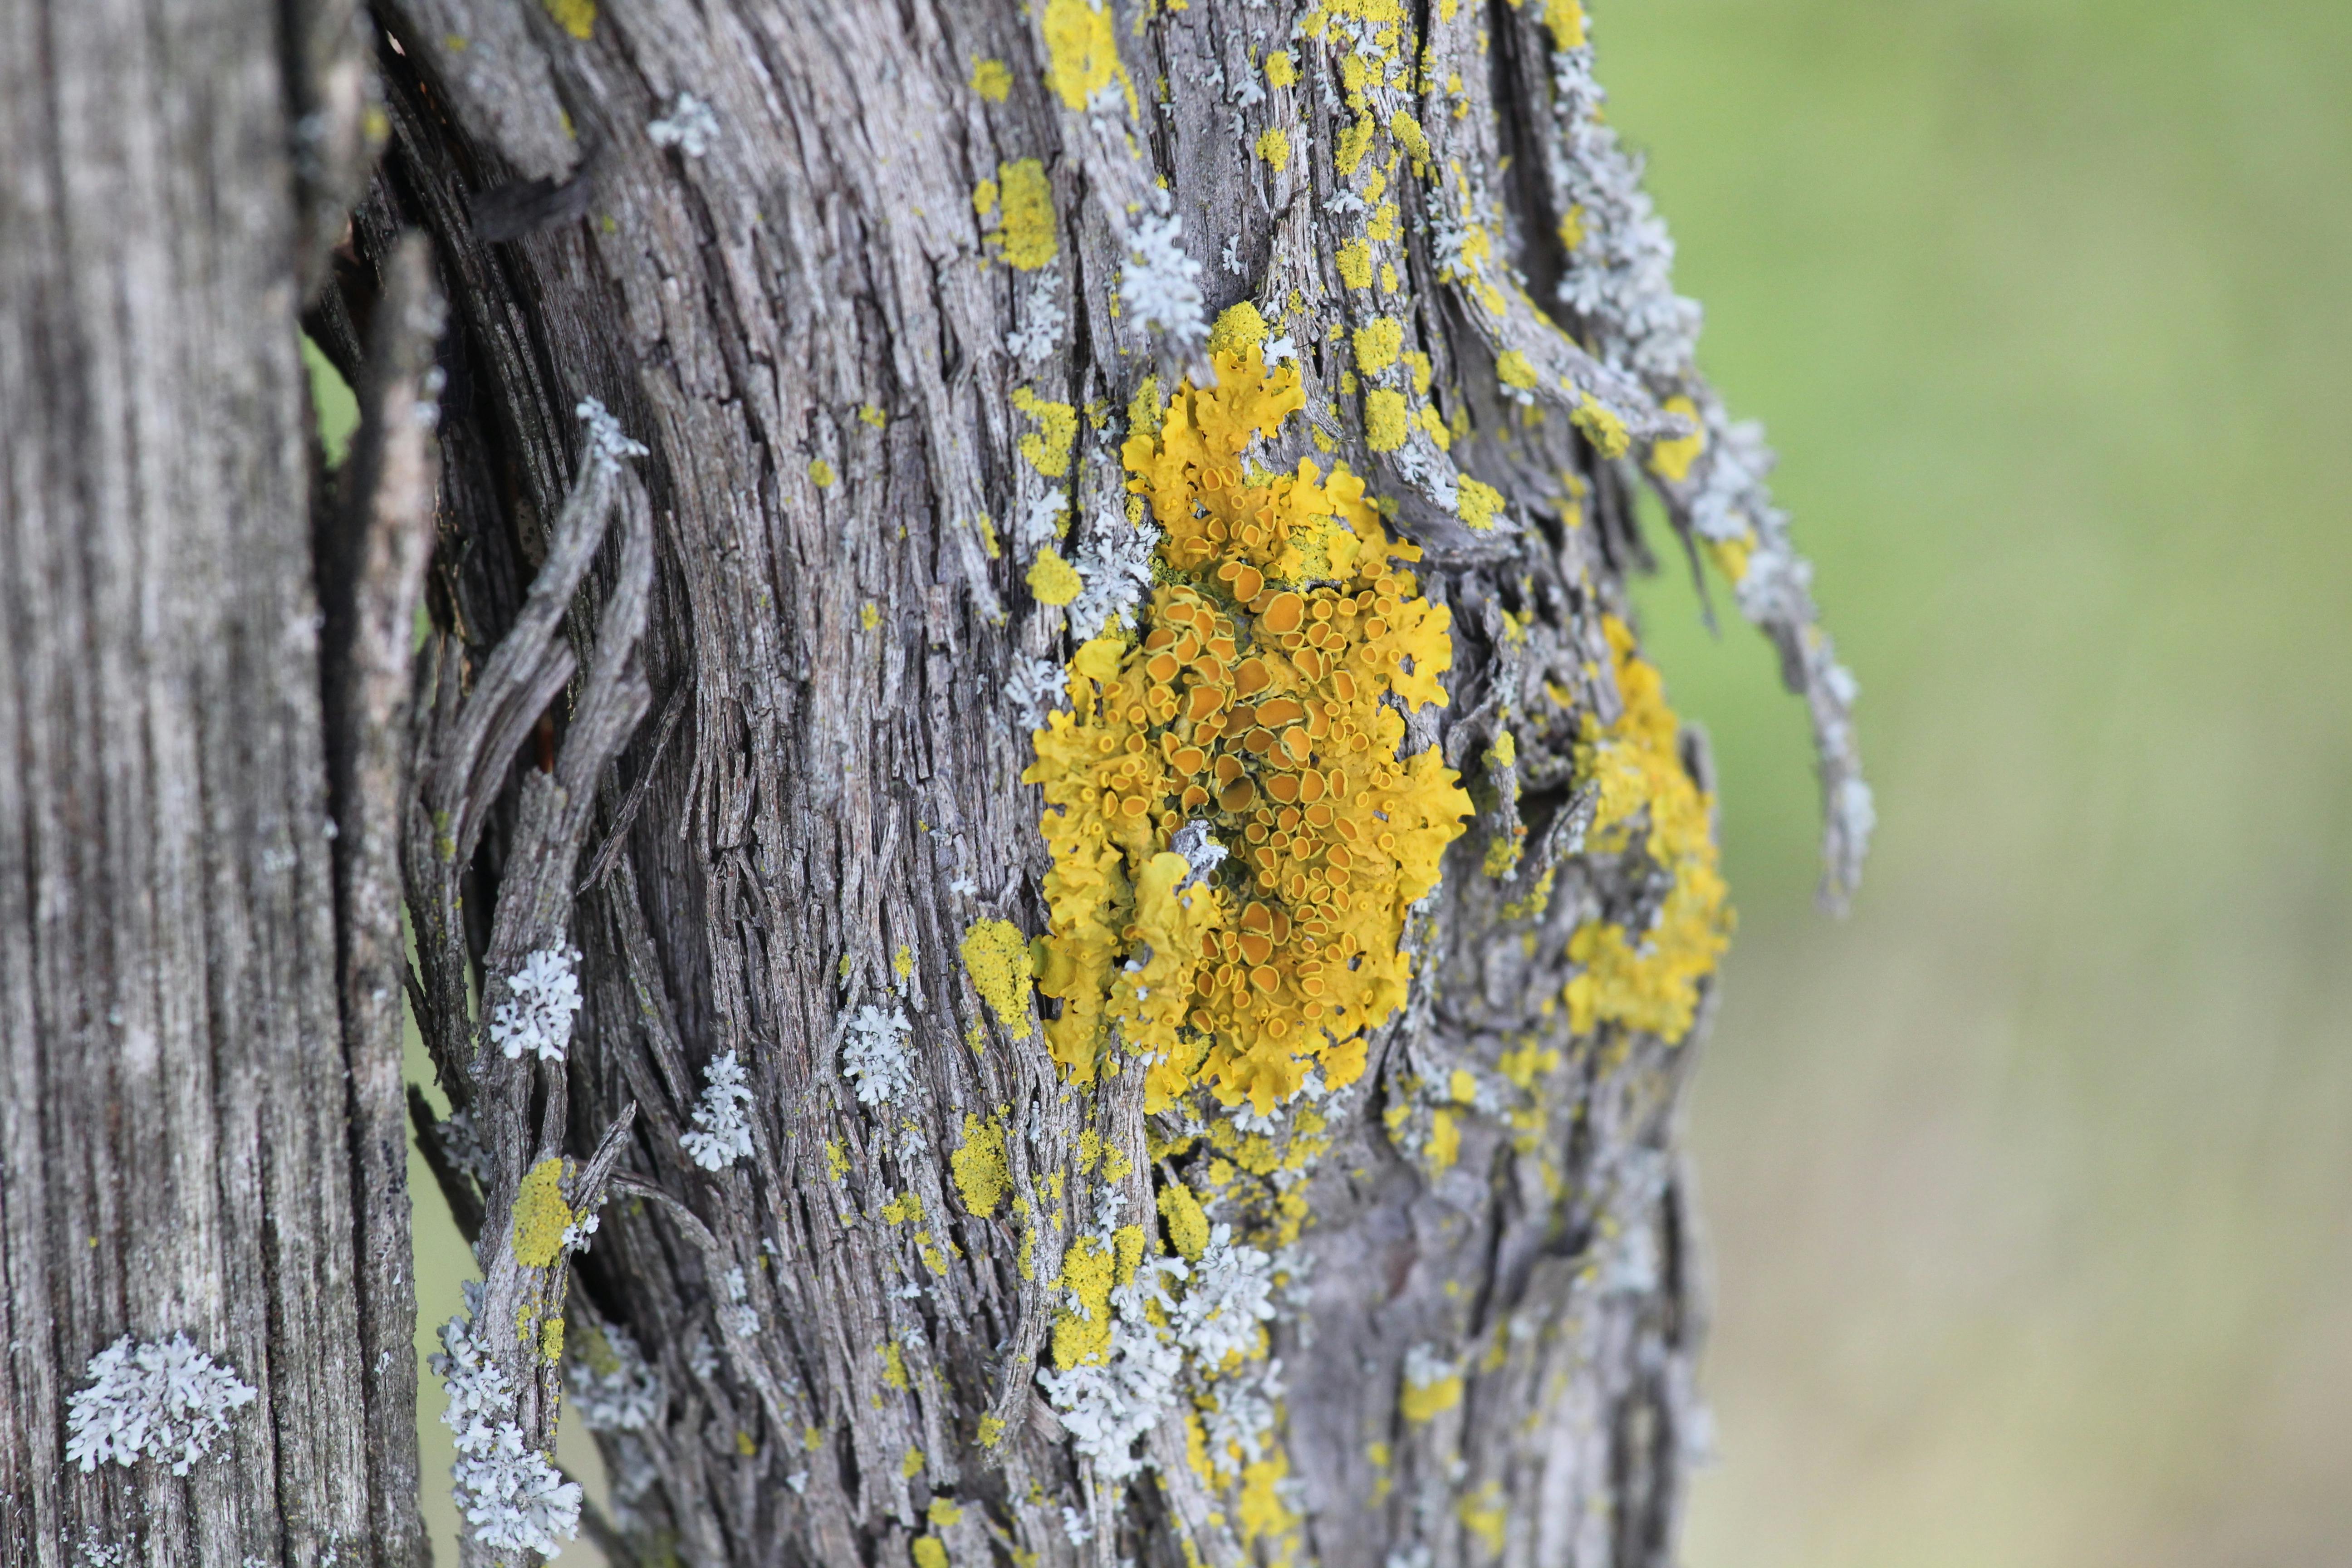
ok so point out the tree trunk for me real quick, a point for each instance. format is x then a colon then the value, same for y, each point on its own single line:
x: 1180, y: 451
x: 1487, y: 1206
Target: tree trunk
x: 1130, y: 1002
x: 204, y: 1231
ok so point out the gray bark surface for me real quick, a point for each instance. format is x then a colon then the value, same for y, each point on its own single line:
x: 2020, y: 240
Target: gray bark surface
x: 194, y: 1138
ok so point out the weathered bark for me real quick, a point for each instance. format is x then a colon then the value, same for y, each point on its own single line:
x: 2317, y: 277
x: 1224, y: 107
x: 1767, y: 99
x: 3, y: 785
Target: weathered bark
x: 801, y: 253
x: 194, y: 1141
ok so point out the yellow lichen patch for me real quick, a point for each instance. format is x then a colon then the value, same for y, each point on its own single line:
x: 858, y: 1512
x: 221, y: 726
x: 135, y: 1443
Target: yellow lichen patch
x: 869, y: 614
x: 983, y: 198
x: 912, y: 1465
x: 943, y: 1513
x: 1053, y: 580
x: 1188, y: 1227
x: 1671, y: 460
x: 1566, y: 20
x: 1384, y: 421
x: 903, y: 1208
x: 1482, y: 1515
x: 1262, y: 1513
x: 1355, y: 262
x: 902, y: 962
x: 540, y: 1214
x: 1047, y: 448
x: 551, y: 1341
x: 1240, y: 330
x: 1407, y: 132
x: 1027, y: 233
x: 1273, y: 147
x: 894, y: 1365
x: 1444, y: 1146
x: 1377, y: 345
x: 929, y: 1552
x: 1571, y: 227
x: 1512, y: 369
x: 1426, y: 1401
x: 1281, y: 71
x: 1479, y: 504
x: 836, y: 1159
x: 1082, y: 55
x: 1082, y: 1328
x: 980, y: 1172
x: 820, y: 473
x: 1383, y: 224
x: 1730, y: 555
x: 992, y: 1431
x: 873, y: 415
x: 1254, y: 702
x: 1649, y: 980
x: 991, y: 79
x: 1603, y: 428
x: 577, y: 18
x: 996, y: 958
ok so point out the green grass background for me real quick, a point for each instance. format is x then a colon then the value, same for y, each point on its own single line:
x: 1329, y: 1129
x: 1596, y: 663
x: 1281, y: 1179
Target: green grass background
x: 2027, y: 1185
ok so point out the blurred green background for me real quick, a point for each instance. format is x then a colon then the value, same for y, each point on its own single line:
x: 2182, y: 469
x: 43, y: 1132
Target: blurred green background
x: 2026, y: 1184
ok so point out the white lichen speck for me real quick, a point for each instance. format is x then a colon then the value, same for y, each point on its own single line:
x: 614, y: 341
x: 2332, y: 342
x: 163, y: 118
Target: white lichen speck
x: 165, y: 1401
x: 1159, y: 285
x: 722, y: 1129
x: 873, y: 1054
x: 544, y: 994
x: 689, y: 126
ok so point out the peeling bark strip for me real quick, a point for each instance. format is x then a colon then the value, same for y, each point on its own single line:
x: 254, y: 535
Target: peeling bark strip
x: 1229, y: 420
x: 203, y: 1250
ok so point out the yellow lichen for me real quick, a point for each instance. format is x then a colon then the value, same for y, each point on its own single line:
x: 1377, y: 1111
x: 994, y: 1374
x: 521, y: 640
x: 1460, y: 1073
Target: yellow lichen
x: 577, y: 18
x: 1261, y: 1510
x: 1571, y: 227
x: 1240, y: 329
x: 1188, y: 1227
x: 1511, y: 368
x: 1082, y: 1328
x: 1281, y: 71
x: 943, y: 1513
x: 1254, y: 701
x: 873, y: 415
x: 1670, y: 459
x: 1274, y: 147
x: 1648, y: 980
x: 992, y: 1431
x: 983, y: 198
x: 912, y: 1465
x: 1355, y: 262
x: 1082, y: 54
x: 1426, y: 1401
x: 980, y: 1172
x: 991, y: 79
x: 1047, y: 448
x: 1384, y: 420
x: 894, y: 1365
x: 996, y: 958
x: 902, y: 962
x: 1482, y: 1512
x: 1377, y: 345
x: 540, y: 1214
x: 1384, y: 222
x: 836, y: 1159
x: 906, y: 1206
x: 1027, y: 233
x: 1603, y: 428
x: 820, y: 473
x: 869, y: 614
x: 1444, y: 1146
x: 1566, y: 20
x: 1479, y: 504
x: 929, y: 1552
x: 1053, y: 580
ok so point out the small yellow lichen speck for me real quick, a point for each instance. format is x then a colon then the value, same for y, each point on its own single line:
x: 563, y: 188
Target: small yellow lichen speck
x: 943, y: 1513
x: 902, y: 962
x: 820, y: 473
x: 929, y: 1552
x: 1383, y: 224
x: 1053, y: 580
x: 1603, y: 429
x: 912, y: 1465
x: 996, y: 958
x: 577, y: 18
x: 540, y: 1214
x: 1427, y: 1401
x: 1482, y: 1515
x: 1478, y: 504
x: 1670, y: 459
x: 1047, y: 448
x: 906, y: 1206
x: 1647, y: 981
x: 1273, y: 147
x: 1571, y: 227
x: 1384, y: 421
x: 1377, y: 345
x: 1082, y: 53
x: 1256, y: 701
x: 991, y: 79
x: 894, y: 1365
x: 836, y: 1159
x: 983, y: 198
x: 873, y: 415
x: 1444, y: 1146
x: 979, y: 1167
x: 1355, y: 263
x: 1027, y: 232
x: 992, y: 1431
x: 869, y: 615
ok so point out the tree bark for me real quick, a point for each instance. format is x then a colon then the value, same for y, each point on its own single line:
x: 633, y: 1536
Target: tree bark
x: 198, y: 1144
x: 796, y: 352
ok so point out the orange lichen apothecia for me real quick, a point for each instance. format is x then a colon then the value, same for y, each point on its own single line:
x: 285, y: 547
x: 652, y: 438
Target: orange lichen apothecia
x: 1251, y: 702
x: 1649, y: 980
